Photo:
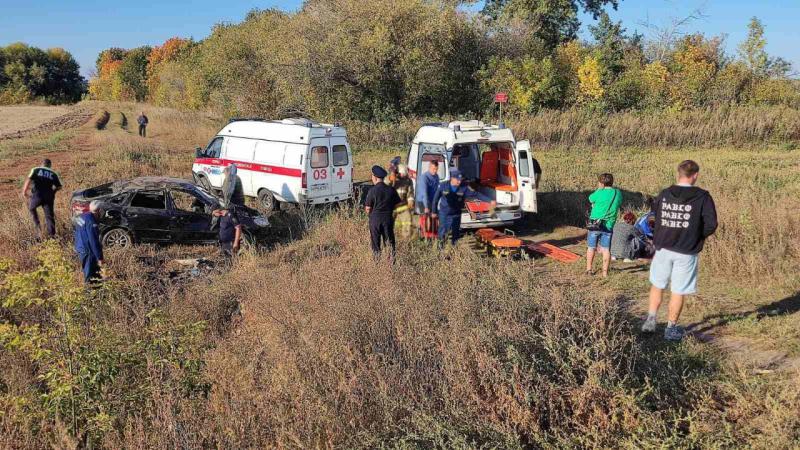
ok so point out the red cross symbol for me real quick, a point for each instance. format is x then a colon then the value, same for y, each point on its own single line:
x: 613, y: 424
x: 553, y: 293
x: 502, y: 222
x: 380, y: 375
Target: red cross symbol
x: 340, y: 173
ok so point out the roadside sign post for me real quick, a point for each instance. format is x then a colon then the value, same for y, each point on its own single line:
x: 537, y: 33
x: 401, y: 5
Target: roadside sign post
x: 501, y: 97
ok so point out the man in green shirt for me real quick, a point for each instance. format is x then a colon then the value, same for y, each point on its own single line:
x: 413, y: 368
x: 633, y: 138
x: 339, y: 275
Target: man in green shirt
x: 606, y: 201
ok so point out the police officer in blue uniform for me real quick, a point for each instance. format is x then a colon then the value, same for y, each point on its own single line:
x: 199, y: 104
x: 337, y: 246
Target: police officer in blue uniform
x: 381, y: 201
x: 43, y: 183
x: 230, y: 230
x: 87, y: 243
x: 449, y: 202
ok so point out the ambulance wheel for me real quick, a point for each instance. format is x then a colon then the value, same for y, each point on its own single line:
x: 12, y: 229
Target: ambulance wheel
x: 205, y: 184
x: 266, y: 201
x: 117, y: 238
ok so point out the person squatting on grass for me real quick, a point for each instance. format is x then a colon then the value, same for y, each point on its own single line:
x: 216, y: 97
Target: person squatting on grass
x: 606, y: 201
x: 87, y: 243
x: 380, y: 204
x: 40, y: 190
x: 685, y: 217
x: 624, y: 244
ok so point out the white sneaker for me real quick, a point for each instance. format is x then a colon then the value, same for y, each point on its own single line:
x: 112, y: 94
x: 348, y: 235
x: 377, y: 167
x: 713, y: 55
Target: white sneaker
x: 649, y: 325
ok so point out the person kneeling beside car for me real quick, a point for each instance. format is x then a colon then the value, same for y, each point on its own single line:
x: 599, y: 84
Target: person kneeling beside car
x: 230, y: 230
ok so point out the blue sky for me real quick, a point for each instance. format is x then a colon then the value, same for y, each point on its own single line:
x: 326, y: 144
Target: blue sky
x: 84, y: 27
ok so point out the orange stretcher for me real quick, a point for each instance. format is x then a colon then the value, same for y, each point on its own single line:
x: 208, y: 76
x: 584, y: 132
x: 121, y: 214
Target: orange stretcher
x: 478, y: 209
x: 551, y: 251
x: 428, y: 226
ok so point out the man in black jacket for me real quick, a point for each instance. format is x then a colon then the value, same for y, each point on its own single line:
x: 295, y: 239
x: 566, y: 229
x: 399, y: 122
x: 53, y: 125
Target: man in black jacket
x: 685, y: 217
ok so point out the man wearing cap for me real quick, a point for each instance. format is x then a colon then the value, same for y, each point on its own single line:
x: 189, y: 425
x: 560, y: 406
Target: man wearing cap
x: 43, y: 183
x: 380, y: 204
x: 449, y: 202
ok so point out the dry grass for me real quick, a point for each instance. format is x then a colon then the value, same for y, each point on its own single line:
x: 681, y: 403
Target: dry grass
x: 312, y: 344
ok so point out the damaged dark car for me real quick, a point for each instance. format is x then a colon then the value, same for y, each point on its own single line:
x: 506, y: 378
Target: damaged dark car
x: 162, y: 210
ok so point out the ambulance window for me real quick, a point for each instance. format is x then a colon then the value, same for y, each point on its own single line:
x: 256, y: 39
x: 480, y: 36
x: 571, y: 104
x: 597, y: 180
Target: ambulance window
x: 319, y: 157
x: 426, y: 162
x: 340, y: 155
x: 524, y: 167
x: 270, y: 152
x: 240, y: 149
x: 150, y: 200
x: 214, y: 148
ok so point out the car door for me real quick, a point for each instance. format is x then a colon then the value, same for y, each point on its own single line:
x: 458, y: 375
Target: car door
x: 191, y: 217
x: 148, y: 217
x: 319, y: 169
x: 525, y: 174
x: 341, y: 167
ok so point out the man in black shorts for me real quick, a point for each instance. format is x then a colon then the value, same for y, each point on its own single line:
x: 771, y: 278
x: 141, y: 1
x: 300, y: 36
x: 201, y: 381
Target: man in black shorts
x: 40, y: 190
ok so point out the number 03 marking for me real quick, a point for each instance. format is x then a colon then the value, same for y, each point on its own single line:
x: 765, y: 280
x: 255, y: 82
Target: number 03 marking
x: 320, y: 174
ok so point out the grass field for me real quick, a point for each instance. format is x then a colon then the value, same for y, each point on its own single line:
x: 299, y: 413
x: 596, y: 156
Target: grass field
x: 311, y: 344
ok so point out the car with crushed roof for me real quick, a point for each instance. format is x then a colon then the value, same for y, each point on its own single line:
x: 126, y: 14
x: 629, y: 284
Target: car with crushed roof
x: 161, y: 210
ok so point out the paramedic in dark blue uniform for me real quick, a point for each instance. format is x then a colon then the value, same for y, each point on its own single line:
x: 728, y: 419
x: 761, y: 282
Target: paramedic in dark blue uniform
x: 43, y: 183
x: 380, y: 204
x: 87, y: 243
x: 449, y: 202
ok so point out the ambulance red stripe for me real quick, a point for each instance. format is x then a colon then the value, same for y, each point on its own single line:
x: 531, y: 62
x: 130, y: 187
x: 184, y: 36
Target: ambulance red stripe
x: 277, y: 170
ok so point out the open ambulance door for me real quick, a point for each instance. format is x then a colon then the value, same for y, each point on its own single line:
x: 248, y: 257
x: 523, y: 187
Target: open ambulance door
x: 527, y: 180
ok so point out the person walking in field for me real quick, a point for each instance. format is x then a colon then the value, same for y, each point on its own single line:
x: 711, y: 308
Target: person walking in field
x: 606, y: 201
x: 380, y: 204
x: 87, y: 243
x: 685, y: 217
x: 405, y: 190
x: 142, y: 121
x: 40, y: 191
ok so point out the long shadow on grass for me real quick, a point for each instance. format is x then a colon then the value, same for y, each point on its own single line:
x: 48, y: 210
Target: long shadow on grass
x: 570, y: 208
x: 787, y: 306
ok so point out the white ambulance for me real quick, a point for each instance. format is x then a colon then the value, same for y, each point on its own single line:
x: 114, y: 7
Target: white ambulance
x: 490, y: 160
x: 289, y: 160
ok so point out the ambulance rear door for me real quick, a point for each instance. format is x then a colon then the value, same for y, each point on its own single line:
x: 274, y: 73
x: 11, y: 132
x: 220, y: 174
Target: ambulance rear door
x: 525, y: 175
x: 318, y: 170
x: 341, y: 168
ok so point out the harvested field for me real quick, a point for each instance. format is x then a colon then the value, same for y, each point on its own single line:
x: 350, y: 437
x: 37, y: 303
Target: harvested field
x: 23, y: 121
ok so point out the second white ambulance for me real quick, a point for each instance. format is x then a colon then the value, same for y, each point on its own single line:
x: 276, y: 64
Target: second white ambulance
x: 289, y: 160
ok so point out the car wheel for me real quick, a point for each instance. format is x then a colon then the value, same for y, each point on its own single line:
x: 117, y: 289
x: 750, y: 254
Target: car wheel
x: 266, y: 201
x: 205, y: 184
x: 117, y: 238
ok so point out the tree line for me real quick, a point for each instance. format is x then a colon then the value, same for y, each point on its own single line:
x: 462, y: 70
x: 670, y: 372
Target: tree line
x: 375, y: 60
x: 30, y: 74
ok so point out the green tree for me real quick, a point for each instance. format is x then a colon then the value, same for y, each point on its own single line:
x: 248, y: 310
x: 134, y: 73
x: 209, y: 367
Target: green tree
x: 133, y: 73
x: 752, y: 49
x: 551, y: 21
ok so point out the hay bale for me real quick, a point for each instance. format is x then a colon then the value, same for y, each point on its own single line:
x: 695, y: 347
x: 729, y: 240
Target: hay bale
x: 123, y: 121
x: 101, y: 119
